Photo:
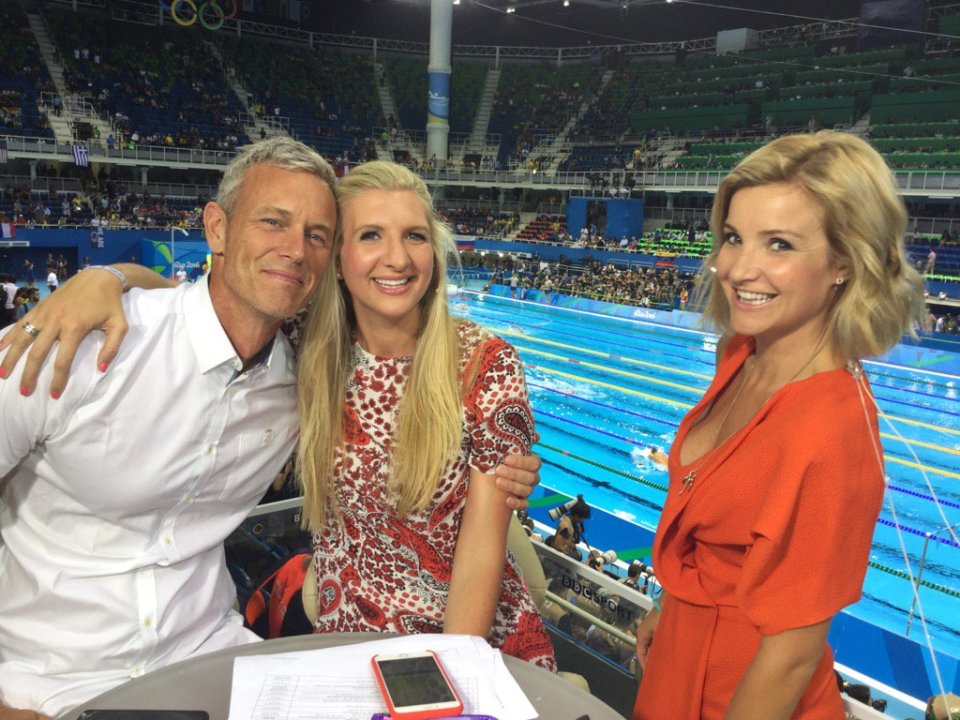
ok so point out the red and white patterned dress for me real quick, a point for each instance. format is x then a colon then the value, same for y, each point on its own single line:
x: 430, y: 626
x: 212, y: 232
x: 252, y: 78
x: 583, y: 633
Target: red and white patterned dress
x: 380, y: 572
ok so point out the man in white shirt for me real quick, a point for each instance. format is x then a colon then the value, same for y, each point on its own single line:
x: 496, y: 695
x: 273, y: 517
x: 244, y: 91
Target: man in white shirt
x: 8, y: 294
x: 116, y: 497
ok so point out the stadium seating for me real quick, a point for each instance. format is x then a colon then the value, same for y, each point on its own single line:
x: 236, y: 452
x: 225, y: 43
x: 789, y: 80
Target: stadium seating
x: 158, y: 82
x: 537, y: 100
x: 546, y: 228
x: 22, y: 77
x: 329, y: 96
x: 484, y: 222
x: 407, y: 78
x: 594, y: 157
x: 947, y: 268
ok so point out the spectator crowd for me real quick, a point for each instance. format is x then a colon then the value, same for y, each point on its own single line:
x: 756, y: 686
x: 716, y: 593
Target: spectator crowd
x: 663, y: 288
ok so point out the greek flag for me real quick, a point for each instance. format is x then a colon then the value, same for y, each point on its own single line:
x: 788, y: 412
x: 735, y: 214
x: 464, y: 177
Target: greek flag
x: 80, y: 156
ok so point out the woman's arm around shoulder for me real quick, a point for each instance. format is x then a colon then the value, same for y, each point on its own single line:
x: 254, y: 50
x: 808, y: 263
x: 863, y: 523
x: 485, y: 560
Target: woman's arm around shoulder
x: 87, y: 302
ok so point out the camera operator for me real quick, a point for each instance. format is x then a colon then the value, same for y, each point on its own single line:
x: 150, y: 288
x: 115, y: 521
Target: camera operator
x: 570, y: 529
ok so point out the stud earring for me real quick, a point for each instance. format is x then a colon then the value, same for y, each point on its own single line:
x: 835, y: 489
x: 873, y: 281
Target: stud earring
x: 713, y: 268
x: 840, y: 281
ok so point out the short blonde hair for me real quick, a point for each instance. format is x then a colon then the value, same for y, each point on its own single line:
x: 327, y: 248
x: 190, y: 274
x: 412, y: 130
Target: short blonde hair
x: 429, y: 416
x: 865, y: 223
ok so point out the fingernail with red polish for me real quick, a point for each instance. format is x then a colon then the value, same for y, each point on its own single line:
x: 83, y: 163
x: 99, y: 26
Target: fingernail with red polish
x: 3, y: 373
x: 102, y: 367
x: 24, y: 390
x: 55, y: 394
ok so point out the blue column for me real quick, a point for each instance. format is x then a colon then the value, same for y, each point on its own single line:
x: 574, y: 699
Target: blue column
x: 438, y: 71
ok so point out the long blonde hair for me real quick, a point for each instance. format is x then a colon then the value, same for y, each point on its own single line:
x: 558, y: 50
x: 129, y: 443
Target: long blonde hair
x: 865, y: 221
x: 429, y: 416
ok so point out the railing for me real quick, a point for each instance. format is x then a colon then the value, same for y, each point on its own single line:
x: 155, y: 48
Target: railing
x: 419, y: 137
x: 935, y: 225
x: 675, y: 214
x: 79, y: 105
x: 551, y: 209
x: 492, y: 205
x: 72, y: 104
x: 176, y: 190
x: 40, y: 148
x: 544, y: 139
x: 42, y: 184
x: 911, y: 181
x: 277, y: 123
x: 597, y: 183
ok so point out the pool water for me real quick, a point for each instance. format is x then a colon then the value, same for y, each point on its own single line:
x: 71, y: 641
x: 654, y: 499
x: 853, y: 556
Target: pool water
x: 605, y: 390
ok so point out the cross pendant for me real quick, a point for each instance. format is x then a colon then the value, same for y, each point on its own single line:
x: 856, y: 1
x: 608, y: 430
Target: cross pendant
x: 688, y: 481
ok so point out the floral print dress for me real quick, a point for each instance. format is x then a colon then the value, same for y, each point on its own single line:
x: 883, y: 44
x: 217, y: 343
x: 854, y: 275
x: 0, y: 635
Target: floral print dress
x: 380, y: 572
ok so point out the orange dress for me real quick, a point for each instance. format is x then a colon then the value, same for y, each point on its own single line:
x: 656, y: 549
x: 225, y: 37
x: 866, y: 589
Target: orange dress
x: 774, y: 534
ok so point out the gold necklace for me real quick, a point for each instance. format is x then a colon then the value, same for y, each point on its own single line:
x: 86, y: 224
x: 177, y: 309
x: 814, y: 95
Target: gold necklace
x: 691, y: 476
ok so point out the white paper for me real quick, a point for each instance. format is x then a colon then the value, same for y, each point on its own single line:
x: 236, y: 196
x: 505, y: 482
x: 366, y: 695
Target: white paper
x: 338, y: 683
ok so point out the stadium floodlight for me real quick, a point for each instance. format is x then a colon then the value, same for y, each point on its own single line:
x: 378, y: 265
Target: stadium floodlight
x: 511, y: 9
x: 566, y: 3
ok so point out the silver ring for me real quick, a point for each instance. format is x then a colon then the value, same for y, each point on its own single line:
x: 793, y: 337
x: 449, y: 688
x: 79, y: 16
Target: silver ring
x: 30, y: 329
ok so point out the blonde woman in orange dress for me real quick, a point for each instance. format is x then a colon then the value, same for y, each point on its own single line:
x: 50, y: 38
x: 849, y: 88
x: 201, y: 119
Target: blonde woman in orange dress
x: 776, y: 476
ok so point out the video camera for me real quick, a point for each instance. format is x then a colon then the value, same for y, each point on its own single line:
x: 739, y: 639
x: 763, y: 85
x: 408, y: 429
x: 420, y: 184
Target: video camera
x: 577, y: 503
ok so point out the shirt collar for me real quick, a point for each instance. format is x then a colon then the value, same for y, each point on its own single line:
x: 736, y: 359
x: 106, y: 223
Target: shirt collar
x: 210, y: 342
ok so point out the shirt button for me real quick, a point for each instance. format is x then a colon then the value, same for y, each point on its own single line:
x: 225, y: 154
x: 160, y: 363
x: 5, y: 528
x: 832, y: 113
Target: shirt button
x: 208, y: 449
x: 167, y: 540
x: 136, y: 671
x: 148, y: 621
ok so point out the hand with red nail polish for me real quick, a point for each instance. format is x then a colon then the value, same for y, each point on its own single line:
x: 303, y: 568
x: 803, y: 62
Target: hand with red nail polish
x: 86, y: 303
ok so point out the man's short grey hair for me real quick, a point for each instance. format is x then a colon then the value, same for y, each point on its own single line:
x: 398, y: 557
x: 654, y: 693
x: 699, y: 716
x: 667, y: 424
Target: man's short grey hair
x: 281, y: 151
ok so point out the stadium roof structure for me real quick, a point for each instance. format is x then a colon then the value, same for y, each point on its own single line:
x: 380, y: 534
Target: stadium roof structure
x: 562, y: 23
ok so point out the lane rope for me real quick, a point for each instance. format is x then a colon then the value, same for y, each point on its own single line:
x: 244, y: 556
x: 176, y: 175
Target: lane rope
x: 687, y: 406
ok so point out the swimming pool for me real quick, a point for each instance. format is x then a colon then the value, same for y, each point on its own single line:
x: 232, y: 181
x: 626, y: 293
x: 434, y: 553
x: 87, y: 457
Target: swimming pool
x: 604, y: 390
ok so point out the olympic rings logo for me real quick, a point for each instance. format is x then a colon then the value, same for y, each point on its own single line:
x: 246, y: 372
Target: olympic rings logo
x: 185, y: 12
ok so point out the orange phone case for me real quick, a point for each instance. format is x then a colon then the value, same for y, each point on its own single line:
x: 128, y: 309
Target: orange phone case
x: 396, y: 714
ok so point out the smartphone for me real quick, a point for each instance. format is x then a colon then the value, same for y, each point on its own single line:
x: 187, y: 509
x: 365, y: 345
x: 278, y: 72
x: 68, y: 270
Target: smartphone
x: 415, y: 686
x: 143, y: 715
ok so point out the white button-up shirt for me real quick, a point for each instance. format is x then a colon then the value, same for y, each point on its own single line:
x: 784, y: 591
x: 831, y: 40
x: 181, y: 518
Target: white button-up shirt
x: 116, y: 499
